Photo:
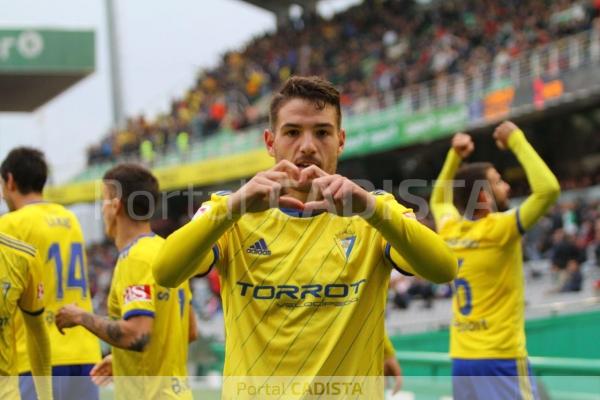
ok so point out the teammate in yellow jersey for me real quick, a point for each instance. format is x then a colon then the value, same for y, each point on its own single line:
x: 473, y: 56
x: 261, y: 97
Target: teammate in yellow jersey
x: 21, y: 287
x: 149, y: 325
x: 304, y: 258
x: 55, y: 232
x: 487, y: 336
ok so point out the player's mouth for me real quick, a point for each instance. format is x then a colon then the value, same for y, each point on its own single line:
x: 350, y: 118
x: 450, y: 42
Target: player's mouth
x: 306, y: 164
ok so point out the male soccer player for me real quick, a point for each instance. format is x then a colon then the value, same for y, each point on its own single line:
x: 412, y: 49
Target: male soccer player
x: 303, y: 290
x: 21, y: 287
x: 149, y: 324
x: 55, y: 232
x: 487, y: 332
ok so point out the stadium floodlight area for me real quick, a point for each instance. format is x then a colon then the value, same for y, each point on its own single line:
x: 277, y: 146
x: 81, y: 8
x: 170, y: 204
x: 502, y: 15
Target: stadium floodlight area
x: 36, y: 65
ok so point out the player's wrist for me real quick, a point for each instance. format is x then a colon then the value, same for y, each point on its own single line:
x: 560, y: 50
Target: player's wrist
x: 517, y: 136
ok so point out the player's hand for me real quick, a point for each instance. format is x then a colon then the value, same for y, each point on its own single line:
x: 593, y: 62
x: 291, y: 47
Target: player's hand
x: 503, y: 132
x: 102, y: 372
x: 334, y: 193
x: 68, y: 317
x: 391, y: 367
x: 463, y: 144
x: 265, y: 190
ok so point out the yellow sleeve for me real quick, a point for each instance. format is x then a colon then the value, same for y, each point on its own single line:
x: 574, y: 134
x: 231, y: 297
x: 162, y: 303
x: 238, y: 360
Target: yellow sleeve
x: 441, y: 203
x: 136, y: 289
x: 544, y: 185
x: 388, y: 348
x: 195, y: 247
x: 38, y: 350
x: 416, y: 245
x: 32, y: 298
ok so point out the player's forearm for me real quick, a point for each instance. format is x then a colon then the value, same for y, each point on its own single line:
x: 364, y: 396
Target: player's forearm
x: 117, y: 333
x: 422, y: 248
x: 441, y: 197
x: 544, y: 185
x: 189, y: 250
x: 38, y: 350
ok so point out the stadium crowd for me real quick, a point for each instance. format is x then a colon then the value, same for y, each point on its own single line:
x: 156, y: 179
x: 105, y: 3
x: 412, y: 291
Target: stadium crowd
x: 389, y: 45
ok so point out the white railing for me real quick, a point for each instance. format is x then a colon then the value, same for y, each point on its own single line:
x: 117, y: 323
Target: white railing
x: 548, y: 61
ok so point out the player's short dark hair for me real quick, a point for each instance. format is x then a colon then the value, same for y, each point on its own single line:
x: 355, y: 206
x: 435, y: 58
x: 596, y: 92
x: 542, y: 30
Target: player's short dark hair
x: 136, y: 187
x: 28, y: 168
x: 469, y: 174
x: 310, y: 88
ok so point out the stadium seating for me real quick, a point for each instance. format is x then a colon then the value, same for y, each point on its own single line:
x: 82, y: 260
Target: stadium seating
x: 390, y: 47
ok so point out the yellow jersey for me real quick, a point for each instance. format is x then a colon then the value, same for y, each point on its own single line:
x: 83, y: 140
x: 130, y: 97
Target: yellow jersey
x: 134, y: 292
x: 56, y: 234
x: 21, y: 287
x: 488, y: 304
x: 303, y: 297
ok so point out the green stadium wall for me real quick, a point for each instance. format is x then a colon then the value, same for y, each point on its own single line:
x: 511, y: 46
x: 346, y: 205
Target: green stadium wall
x: 572, y: 336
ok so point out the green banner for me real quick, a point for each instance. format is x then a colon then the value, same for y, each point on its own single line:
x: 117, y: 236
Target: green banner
x: 394, y: 127
x: 46, y: 50
x: 433, y: 124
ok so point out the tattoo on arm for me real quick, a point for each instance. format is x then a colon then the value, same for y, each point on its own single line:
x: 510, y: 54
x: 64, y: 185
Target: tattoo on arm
x: 140, y: 343
x: 113, y: 330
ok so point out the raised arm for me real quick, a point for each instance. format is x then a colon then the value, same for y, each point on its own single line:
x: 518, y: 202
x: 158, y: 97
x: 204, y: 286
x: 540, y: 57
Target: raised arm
x: 421, y: 248
x: 441, y: 203
x: 544, y: 185
x: 192, y: 250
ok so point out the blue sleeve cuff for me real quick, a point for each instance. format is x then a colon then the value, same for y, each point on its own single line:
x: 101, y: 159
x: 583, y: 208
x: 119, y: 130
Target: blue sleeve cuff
x: 33, y: 313
x: 388, y: 248
x: 137, y: 313
x: 215, y: 250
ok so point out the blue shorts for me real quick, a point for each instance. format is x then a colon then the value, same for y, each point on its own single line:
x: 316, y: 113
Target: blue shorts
x: 493, y: 379
x: 69, y: 382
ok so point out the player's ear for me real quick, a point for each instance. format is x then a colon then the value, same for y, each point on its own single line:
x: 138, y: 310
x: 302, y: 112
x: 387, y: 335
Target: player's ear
x: 269, y: 138
x: 341, y: 141
x: 117, y: 205
x: 10, y: 182
x: 485, y: 198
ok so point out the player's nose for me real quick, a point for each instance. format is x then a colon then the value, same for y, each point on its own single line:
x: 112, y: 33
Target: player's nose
x: 308, y: 143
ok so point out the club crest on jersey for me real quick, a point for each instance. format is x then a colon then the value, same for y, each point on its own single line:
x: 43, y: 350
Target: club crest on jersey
x: 259, y: 248
x: 137, y: 293
x: 347, y: 245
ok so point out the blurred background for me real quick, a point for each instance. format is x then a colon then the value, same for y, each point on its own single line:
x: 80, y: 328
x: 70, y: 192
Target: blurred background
x: 184, y: 87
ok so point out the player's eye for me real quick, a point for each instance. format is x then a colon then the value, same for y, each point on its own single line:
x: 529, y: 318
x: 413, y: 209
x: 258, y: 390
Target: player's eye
x: 292, y: 132
x: 322, y: 133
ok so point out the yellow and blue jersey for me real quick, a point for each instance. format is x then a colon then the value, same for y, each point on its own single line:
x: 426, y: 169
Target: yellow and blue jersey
x: 488, y: 302
x: 303, y: 296
x: 21, y: 287
x: 56, y: 234
x: 134, y: 292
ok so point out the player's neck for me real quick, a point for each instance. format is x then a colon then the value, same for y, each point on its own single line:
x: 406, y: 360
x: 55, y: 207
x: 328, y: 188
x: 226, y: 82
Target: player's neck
x: 22, y: 200
x: 127, y: 231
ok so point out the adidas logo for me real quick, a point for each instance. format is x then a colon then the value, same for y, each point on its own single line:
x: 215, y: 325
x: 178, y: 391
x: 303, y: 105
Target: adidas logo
x: 260, y: 248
